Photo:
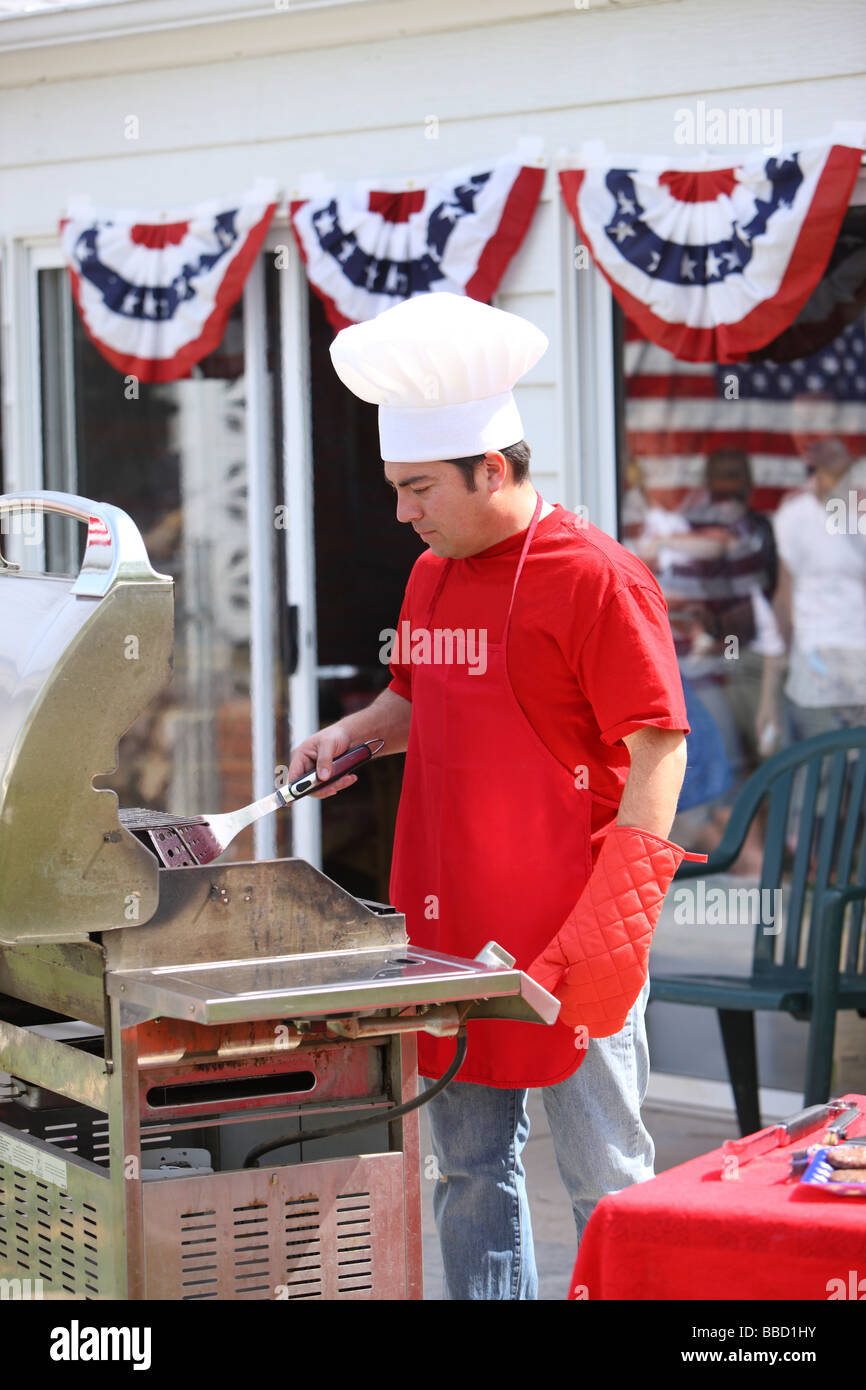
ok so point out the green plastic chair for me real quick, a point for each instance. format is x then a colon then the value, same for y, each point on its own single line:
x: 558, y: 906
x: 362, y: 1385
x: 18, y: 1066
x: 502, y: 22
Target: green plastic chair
x: 816, y: 964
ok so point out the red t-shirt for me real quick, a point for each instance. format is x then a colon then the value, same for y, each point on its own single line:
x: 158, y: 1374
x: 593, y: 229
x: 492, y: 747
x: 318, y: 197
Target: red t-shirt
x: 590, y: 652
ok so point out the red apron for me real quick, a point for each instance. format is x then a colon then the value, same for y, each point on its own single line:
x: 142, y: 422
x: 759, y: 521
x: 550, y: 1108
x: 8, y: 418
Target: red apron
x: 492, y: 843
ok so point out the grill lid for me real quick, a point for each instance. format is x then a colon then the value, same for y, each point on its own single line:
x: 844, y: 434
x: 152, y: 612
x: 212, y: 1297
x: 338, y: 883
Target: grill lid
x: 71, y: 683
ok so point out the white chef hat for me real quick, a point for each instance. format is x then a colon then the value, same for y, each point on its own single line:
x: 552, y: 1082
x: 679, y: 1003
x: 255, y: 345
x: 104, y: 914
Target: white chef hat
x: 441, y: 368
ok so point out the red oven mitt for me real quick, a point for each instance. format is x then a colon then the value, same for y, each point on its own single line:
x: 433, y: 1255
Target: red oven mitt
x: 597, y: 963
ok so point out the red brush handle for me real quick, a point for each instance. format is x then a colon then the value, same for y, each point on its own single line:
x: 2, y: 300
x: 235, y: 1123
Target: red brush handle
x: 346, y: 761
x: 352, y: 758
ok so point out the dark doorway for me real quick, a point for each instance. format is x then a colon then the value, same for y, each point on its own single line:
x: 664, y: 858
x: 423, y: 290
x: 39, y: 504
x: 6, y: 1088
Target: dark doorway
x: 363, y: 560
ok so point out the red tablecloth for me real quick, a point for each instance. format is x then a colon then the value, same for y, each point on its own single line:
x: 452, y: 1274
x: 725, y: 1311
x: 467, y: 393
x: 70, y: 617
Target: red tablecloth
x: 692, y: 1233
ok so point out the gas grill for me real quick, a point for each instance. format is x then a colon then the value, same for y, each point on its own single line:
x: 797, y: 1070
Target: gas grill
x: 159, y: 1027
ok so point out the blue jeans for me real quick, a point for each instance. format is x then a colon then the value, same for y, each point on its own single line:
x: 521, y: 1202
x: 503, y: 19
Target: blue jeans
x: 478, y: 1134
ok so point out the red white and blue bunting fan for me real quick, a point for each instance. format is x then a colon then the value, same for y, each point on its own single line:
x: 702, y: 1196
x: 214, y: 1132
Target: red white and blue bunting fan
x: 712, y: 264
x: 365, y: 250
x: 839, y: 298
x: 155, y: 291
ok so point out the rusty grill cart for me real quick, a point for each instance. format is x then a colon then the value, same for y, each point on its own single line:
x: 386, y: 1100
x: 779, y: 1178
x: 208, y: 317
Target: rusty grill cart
x: 157, y: 1025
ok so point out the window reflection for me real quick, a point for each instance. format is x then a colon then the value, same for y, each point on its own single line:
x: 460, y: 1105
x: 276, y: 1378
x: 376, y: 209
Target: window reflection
x: 172, y: 456
x: 727, y: 492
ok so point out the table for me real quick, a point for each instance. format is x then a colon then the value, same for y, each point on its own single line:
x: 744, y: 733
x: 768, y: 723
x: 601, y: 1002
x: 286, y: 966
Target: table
x: 709, y: 1229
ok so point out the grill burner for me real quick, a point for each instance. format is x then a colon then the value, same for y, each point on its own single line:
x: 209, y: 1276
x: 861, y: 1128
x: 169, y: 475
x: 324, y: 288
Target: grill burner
x: 235, y: 1003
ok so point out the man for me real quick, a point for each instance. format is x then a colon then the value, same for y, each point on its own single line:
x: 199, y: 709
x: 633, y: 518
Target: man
x: 743, y: 558
x: 718, y: 576
x: 515, y: 770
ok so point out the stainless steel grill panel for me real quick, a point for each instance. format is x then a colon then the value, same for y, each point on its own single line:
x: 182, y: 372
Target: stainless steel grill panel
x: 61, y: 1237
x: 333, y: 1230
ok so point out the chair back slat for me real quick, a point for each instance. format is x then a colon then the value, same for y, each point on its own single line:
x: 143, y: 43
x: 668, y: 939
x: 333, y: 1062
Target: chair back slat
x: 805, y: 824
x: 852, y: 828
x: 828, y: 836
x: 853, y: 952
x: 854, y: 947
x: 771, y: 868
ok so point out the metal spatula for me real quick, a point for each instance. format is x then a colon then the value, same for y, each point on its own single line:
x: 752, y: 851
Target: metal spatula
x: 180, y: 841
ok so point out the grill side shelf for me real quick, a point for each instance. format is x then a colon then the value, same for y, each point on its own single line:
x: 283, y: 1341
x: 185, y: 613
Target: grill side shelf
x: 330, y: 983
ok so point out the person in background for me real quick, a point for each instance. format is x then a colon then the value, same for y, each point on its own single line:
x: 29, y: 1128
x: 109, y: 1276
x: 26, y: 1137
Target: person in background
x: 821, y: 601
x: 739, y: 581
x: 715, y: 559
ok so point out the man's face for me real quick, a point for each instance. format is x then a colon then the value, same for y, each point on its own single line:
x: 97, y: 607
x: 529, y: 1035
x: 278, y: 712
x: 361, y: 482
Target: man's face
x: 728, y: 483
x: 434, y: 500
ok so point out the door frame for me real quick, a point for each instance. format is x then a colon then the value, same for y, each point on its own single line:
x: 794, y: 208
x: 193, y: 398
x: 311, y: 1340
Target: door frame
x: 298, y: 532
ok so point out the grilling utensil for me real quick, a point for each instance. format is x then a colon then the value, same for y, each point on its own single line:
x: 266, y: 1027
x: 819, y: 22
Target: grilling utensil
x: 180, y: 841
x: 784, y: 1133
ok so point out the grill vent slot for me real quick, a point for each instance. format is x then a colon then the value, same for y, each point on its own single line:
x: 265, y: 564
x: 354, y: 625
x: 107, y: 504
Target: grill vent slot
x: 4, y: 1218
x: 198, y: 1256
x: 303, y: 1272
x: 354, y: 1242
x: 42, y: 1232
x: 251, y: 1237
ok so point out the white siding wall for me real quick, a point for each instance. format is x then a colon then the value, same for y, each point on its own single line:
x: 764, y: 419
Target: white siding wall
x: 286, y: 94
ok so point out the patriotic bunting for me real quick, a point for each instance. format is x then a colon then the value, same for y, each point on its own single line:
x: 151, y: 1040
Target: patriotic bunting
x: 154, y: 296
x: 838, y: 299
x: 713, y: 264
x: 365, y: 250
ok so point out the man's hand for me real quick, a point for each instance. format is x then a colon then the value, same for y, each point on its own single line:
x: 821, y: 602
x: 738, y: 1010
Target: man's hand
x: 388, y: 717
x: 319, y: 751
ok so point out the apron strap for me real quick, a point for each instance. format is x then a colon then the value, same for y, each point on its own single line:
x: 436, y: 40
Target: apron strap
x: 526, y: 544
x: 446, y: 570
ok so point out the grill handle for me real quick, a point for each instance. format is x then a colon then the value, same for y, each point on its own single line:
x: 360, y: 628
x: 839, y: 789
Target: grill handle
x: 119, y: 557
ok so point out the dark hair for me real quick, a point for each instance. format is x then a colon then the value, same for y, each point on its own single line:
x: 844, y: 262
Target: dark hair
x: 517, y: 455
x: 727, y: 460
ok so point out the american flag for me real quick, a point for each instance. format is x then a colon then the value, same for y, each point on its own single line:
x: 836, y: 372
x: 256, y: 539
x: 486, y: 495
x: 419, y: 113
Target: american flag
x: 677, y: 413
